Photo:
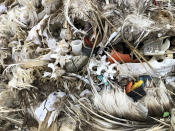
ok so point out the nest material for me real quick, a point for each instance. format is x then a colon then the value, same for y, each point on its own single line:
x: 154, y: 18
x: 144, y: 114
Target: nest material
x: 42, y: 80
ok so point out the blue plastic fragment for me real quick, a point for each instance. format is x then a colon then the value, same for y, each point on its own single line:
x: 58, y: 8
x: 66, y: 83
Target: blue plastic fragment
x: 101, y: 78
x: 144, y: 78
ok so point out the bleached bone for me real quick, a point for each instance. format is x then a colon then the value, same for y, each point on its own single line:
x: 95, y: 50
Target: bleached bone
x: 102, y: 66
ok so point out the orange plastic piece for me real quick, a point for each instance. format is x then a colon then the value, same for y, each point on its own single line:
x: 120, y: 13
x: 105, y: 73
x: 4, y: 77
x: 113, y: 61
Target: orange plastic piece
x: 128, y: 87
x: 119, y: 57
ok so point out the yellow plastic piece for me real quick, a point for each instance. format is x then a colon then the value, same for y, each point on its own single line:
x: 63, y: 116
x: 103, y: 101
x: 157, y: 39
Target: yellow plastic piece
x: 137, y: 84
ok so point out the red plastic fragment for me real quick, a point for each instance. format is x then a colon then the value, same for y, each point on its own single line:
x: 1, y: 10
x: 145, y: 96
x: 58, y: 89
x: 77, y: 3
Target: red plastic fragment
x: 119, y: 57
x: 87, y: 42
x: 155, y: 2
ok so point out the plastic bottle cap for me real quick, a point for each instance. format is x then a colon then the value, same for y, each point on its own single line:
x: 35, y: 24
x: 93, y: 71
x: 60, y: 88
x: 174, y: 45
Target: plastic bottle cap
x: 76, y: 47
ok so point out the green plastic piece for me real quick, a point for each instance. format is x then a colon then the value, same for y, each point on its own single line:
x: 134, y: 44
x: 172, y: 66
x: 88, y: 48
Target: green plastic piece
x: 166, y: 114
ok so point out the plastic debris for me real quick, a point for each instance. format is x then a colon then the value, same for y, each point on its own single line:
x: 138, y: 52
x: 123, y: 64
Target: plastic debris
x: 48, y: 106
x: 137, y: 84
x: 113, y: 35
x: 3, y: 8
x: 144, y: 78
x: 87, y: 42
x: 156, y: 48
x: 76, y: 47
x: 100, y: 77
x: 166, y: 114
x: 119, y: 57
x: 128, y: 87
x: 137, y: 94
x: 154, y: 68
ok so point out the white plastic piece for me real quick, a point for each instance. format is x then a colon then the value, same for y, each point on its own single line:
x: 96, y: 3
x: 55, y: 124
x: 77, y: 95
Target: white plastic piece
x: 156, y: 48
x: 113, y: 35
x: 170, y: 80
x: 137, y: 69
x: 51, y: 43
x: 48, y: 105
x: 63, y: 33
x: 76, y: 47
x: 3, y: 8
x: 159, y: 35
x: 153, y: 48
x: 166, y: 45
x: 52, y: 118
